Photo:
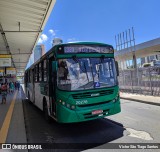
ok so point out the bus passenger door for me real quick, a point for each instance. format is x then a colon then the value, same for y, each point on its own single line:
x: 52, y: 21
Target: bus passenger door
x: 52, y: 90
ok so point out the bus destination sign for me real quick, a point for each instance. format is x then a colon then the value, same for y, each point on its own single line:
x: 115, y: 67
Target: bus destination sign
x: 87, y: 49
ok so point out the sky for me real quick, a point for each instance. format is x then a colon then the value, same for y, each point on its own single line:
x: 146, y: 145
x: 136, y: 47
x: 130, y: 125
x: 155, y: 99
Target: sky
x: 101, y: 20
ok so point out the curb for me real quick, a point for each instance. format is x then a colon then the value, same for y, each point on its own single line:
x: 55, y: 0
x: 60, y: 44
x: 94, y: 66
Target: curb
x: 142, y: 101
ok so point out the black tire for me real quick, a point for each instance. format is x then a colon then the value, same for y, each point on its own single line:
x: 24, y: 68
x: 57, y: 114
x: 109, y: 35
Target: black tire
x: 46, y: 115
x: 29, y: 96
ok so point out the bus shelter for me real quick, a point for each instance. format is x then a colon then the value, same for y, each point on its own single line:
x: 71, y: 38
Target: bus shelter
x: 21, y: 24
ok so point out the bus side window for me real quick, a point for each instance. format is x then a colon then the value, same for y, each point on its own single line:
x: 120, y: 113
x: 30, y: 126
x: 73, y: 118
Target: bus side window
x: 35, y: 76
x: 36, y: 73
x: 40, y: 72
x: 26, y: 77
x: 30, y: 75
x: 45, y: 70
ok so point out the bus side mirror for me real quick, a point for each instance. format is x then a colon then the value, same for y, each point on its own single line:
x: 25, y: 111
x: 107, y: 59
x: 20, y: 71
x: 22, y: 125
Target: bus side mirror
x: 117, y: 69
x: 54, y: 66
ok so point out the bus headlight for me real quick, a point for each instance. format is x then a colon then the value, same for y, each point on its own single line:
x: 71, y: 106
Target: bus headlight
x: 73, y: 107
x: 117, y: 97
x: 69, y: 106
x: 114, y: 100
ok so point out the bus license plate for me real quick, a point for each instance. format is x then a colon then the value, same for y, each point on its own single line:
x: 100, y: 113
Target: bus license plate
x: 97, y: 112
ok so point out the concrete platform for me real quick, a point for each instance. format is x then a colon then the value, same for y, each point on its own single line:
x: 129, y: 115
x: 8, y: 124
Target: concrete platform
x: 154, y: 100
x: 12, y: 127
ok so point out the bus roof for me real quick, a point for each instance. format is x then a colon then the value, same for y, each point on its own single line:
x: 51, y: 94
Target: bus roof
x: 81, y: 42
x: 65, y: 44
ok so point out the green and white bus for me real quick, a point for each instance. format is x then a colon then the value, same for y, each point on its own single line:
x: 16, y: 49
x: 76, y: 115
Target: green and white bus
x: 75, y: 82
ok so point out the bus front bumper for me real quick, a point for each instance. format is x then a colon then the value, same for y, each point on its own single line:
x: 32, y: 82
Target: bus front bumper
x: 65, y: 115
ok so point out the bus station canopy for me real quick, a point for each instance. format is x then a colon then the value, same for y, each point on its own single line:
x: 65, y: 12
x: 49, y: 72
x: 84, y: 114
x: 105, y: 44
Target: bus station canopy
x: 21, y: 23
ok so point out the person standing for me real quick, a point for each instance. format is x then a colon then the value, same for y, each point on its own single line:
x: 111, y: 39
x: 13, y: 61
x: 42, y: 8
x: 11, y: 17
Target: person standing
x: 18, y: 85
x: 12, y: 87
x: 8, y: 88
x: 4, y: 93
x: 15, y: 85
x: 0, y: 86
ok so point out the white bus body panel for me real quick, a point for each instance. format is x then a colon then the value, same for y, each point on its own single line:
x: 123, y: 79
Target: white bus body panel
x: 39, y: 97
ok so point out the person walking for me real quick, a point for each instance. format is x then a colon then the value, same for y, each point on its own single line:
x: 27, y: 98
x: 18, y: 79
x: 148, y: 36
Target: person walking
x: 12, y: 87
x: 8, y: 88
x: 18, y: 85
x: 4, y: 93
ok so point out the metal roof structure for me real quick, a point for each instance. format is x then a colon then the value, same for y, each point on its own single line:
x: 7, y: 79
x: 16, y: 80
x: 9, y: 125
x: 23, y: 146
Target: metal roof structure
x: 21, y: 23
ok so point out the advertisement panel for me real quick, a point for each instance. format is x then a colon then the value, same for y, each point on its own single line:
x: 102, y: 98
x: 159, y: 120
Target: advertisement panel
x: 5, y: 60
x: 11, y: 71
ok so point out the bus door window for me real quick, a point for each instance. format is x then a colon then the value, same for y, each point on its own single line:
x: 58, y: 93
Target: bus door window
x: 52, y: 80
x: 32, y: 79
x: 62, y: 70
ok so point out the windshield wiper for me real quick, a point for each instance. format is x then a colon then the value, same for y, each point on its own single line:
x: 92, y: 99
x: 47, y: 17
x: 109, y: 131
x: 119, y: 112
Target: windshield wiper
x: 92, y: 73
x: 88, y: 85
x: 101, y: 62
x: 86, y: 71
x: 77, y: 61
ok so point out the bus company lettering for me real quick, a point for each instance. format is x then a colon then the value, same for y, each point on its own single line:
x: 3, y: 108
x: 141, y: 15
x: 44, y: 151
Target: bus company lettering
x: 81, y: 102
x: 95, y: 94
x: 27, y: 146
x: 34, y: 147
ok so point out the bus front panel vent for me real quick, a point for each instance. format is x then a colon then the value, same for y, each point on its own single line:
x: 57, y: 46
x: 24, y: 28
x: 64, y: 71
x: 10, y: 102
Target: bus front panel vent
x: 92, y: 94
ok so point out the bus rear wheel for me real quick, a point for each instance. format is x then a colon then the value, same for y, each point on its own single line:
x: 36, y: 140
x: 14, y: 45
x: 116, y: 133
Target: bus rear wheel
x: 29, y: 99
x: 46, y: 115
x: 28, y: 96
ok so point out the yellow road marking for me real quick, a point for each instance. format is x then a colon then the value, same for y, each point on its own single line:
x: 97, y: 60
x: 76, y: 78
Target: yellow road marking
x: 6, y: 123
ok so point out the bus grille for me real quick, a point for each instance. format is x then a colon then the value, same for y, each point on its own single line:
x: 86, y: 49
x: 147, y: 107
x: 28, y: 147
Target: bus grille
x: 92, y: 94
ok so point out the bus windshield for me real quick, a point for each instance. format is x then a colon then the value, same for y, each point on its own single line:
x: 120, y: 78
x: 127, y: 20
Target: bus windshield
x: 86, y: 73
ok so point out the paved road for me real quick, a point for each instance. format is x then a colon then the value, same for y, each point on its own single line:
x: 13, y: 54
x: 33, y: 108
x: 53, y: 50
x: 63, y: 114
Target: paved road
x: 97, y: 131
x: 134, y: 117
x: 137, y: 117
x: 140, y: 116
